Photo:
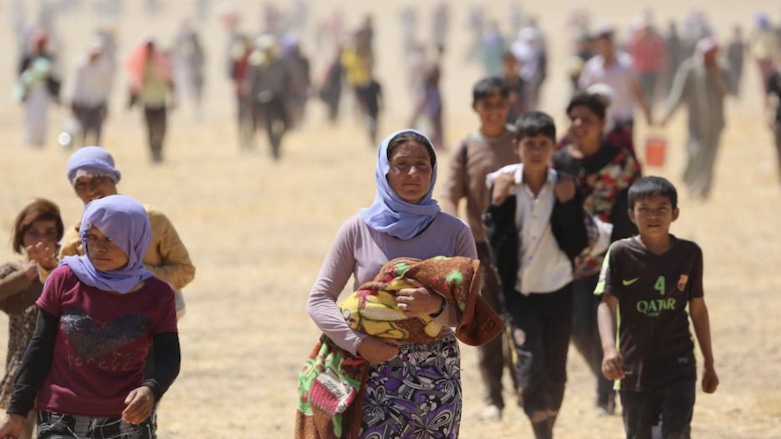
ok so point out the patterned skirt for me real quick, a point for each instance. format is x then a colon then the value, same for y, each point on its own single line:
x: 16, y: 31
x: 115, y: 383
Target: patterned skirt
x: 415, y: 395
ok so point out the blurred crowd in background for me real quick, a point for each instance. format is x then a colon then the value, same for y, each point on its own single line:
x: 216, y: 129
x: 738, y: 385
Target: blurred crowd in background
x: 274, y: 77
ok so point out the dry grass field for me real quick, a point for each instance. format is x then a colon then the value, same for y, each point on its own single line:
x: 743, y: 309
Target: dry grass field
x: 257, y: 230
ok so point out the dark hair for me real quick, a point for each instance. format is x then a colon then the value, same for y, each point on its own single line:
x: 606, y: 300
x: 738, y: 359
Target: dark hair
x: 38, y: 210
x: 589, y: 100
x: 411, y: 136
x: 492, y: 85
x: 650, y: 186
x: 533, y: 123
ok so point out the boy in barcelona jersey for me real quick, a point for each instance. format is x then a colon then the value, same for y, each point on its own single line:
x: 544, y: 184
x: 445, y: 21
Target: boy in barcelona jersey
x: 647, y: 284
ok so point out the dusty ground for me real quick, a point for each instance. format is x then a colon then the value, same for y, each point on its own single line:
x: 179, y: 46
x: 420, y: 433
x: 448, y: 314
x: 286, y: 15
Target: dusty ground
x: 257, y: 231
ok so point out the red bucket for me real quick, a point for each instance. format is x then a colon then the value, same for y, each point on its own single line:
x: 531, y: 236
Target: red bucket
x: 655, y: 150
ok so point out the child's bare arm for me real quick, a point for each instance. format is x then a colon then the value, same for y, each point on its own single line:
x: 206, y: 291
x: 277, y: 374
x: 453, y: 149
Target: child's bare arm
x: 612, y: 363
x: 701, y: 322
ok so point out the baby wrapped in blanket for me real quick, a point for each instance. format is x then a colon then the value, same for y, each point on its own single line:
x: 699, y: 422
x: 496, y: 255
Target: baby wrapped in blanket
x: 331, y: 381
x: 373, y: 309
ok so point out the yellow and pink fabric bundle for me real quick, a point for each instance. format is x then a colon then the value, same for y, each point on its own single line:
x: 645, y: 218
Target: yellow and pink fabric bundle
x: 331, y: 381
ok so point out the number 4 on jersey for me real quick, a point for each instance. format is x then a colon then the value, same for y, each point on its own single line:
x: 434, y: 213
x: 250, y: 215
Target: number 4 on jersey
x: 659, y: 285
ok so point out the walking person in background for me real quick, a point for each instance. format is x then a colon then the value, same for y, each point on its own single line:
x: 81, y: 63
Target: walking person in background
x: 530, y: 51
x: 736, y: 53
x: 38, y: 224
x: 373, y: 100
x: 417, y: 61
x: 89, y: 383
x: 648, y: 51
x: 484, y: 150
x: 701, y: 84
x: 357, y: 62
x: 240, y: 55
x: 516, y: 86
x: 491, y: 49
x: 428, y: 110
x: 38, y: 87
x: 331, y: 88
x: 152, y: 87
x: 301, y: 78
x: 582, y: 51
x: 269, y: 83
x: 190, y: 63
x: 614, y: 68
x: 92, y: 84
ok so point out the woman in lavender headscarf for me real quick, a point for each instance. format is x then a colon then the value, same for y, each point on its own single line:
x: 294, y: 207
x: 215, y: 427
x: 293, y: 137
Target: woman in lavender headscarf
x: 98, y: 315
x: 411, y: 388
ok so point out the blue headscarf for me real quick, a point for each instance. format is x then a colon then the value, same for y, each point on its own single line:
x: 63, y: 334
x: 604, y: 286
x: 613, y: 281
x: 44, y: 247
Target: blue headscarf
x: 389, y: 213
x: 125, y: 221
x: 93, y: 160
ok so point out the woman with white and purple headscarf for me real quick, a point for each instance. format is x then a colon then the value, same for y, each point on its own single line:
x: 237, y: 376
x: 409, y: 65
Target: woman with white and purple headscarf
x: 98, y: 316
x: 411, y: 387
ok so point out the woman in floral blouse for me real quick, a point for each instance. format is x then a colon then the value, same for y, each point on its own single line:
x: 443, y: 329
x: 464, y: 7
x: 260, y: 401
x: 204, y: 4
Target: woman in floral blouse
x: 604, y: 173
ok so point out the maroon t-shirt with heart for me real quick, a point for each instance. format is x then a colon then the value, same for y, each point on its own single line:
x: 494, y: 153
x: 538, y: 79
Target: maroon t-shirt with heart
x: 101, y: 344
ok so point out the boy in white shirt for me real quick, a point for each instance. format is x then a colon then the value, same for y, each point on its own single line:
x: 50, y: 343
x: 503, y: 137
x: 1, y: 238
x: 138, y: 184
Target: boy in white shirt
x: 537, y: 227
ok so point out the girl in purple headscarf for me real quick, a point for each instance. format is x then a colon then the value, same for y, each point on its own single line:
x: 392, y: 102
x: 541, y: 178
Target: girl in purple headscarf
x: 412, y: 389
x: 98, y: 315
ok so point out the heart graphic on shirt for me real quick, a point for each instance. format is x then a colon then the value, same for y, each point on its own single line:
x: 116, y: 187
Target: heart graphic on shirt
x: 93, y: 340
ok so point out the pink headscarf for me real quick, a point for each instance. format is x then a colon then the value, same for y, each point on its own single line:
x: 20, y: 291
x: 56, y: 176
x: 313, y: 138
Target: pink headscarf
x: 136, y: 64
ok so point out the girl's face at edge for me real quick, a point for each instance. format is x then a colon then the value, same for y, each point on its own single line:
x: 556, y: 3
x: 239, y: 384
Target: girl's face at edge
x: 41, y: 231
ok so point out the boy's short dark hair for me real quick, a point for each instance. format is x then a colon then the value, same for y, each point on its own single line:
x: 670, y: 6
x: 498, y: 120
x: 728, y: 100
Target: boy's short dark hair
x: 490, y: 86
x: 650, y: 186
x: 590, y: 101
x: 533, y: 123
